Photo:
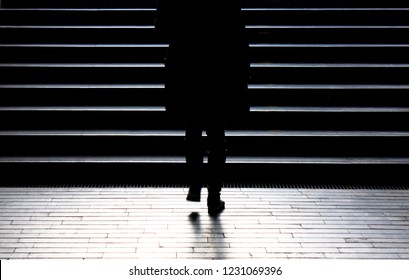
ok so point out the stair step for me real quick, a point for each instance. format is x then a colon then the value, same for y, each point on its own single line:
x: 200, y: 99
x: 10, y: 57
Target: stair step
x: 169, y: 169
x: 334, y: 34
x: 79, y: 34
x: 155, y: 53
x: 245, y: 3
x: 155, y: 117
x: 329, y: 53
x: 325, y: 16
x: 150, y: 95
x: 263, y: 16
x: 232, y: 160
x: 262, y: 109
x: 261, y: 73
x: 320, y: 3
x: 146, y: 34
x: 80, y: 53
x: 180, y: 133
x: 329, y: 73
x: 255, y: 87
x: 71, y: 16
x: 82, y: 73
x: 239, y: 143
x: 79, y: 3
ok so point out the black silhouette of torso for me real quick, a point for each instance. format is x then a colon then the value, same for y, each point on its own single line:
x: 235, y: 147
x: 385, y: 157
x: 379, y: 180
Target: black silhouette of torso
x: 207, y: 64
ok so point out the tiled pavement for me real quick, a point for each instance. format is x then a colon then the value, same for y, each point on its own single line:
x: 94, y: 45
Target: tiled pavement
x: 158, y: 223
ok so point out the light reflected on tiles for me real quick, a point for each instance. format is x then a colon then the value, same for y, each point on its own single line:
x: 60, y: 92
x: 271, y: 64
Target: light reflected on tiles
x: 159, y: 223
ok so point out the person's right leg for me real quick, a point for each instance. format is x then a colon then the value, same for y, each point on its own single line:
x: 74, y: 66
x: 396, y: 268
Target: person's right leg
x: 216, y: 163
x: 194, y: 158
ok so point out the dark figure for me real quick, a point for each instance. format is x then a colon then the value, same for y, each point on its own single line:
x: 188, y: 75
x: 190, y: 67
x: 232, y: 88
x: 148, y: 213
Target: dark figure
x: 207, y: 72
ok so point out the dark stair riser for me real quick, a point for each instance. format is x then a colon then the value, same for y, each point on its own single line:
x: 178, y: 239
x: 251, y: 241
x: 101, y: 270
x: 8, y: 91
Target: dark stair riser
x: 333, y: 97
x: 251, y: 17
x: 83, y: 96
x: 330, y: 74
x: 92, y: 54
x: 160, y: 120
x: 329, y: 35
x: 82, y: 75
x: 77, y: 17
x: 156, y: 97
x: 245, y: 3
x: 148, y: 35
x: 80, y: 3
x: 275, y: 74
x: 156, y: 54
x: 176, y: 173
x: 287, y: 146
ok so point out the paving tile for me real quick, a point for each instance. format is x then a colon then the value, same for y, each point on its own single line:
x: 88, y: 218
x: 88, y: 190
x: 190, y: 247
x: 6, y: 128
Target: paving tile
x: 305, y: 255
x: 85, y: 227
x: 7, y: 220
x: 287, y: 250
x: 309, y: 239
x: 128, y: 249
x: 89, y: 223
x: 165, y: 250
x: 132, y: 244
x: 389, y: 226
x: 53, y: 240
x: 69, y: 245
x: 51, y: 250
x: 15, y: 245
x: 335, y: 226
x: 9, y: 240
x: 6, y: 256
x: 23, y: 214
x: 175, y: 239
x: 375, y: 250
x: 9, y: 230
x: 326, y: 235
x: 193, y: 244
x: 165, y: 255
x: 388, y: 240
x: 361, y: 256
x: 6, y: 250
x: 318, y: 231
x: 229, y: 251
x: 107, y: 231
x: 6, y: 236
x: 268, y: 256
x: 213, y: 256
x: 336, y: 245
x: 76, y: 236
x: 33, y: 223
x: 65, y: 255
x: 390, y: 245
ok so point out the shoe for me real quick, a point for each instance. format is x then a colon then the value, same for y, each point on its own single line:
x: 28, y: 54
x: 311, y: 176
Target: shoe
x: 215, y: 208
x: 194, y: 194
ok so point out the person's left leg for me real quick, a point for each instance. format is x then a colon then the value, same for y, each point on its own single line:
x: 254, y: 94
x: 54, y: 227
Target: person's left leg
x: 216, y: 163
x: 194, y: 158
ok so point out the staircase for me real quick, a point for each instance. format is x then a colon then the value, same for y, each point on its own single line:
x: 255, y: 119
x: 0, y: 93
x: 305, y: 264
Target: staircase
x: 81, y: 93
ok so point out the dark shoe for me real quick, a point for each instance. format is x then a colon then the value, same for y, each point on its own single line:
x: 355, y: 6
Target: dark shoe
x: 215, y: 208
x: 194, y: 194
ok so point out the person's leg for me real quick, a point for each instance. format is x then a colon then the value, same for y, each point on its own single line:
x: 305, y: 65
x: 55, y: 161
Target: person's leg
x: 194, y: 158
x: 216, y: 163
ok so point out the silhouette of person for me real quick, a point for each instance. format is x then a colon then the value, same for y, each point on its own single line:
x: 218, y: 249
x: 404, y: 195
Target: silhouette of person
x: 206, y: 82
